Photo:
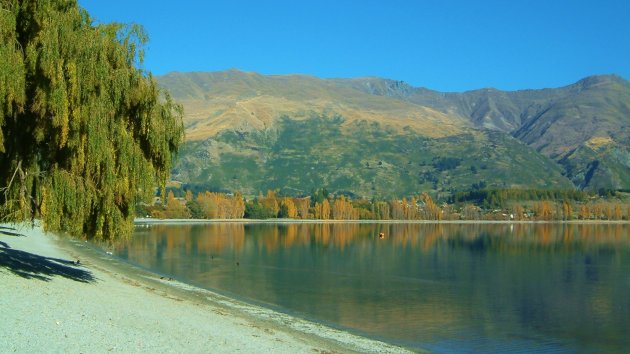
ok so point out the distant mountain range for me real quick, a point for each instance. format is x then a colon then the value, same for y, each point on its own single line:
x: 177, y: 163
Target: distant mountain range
x: 379, y: 137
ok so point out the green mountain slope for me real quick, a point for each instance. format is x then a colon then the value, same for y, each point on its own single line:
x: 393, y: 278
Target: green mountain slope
x: 587, y: 131
x: 363, y: 158
x: 585, y: 127
x: 372, y: 136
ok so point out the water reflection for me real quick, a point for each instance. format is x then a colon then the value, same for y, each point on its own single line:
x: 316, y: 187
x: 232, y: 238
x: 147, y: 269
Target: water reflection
x: 447, y: 287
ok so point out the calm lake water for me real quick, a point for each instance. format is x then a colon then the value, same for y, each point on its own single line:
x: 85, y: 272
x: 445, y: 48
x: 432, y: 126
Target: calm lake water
x: 441, y: 287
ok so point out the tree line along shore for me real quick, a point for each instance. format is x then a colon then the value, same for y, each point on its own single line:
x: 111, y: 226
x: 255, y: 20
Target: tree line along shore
x: 507, y: 204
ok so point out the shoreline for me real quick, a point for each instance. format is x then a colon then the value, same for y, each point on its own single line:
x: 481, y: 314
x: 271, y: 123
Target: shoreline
x: 52, y: 303
x: 150, y: 221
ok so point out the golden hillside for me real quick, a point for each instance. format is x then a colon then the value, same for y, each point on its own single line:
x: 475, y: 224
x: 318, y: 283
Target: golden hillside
x: 235, y: 100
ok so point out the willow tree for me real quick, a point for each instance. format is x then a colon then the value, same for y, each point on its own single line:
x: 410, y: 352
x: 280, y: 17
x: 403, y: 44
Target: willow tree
x: 85, y: 131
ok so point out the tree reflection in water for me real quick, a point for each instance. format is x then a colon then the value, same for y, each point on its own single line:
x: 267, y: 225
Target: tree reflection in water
x: 439, y: 286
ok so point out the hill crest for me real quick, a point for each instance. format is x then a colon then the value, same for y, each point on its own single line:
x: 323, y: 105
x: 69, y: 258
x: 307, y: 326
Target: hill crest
x: 584, y: 127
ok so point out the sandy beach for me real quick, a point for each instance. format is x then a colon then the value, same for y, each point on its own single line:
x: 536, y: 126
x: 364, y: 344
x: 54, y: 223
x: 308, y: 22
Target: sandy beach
x: 59, y: 295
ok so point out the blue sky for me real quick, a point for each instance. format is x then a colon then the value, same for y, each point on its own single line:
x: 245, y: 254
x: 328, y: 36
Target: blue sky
x: 446, y: 45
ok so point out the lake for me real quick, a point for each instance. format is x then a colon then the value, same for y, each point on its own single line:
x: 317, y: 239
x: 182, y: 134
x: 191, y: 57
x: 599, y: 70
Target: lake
x: 441, y: 287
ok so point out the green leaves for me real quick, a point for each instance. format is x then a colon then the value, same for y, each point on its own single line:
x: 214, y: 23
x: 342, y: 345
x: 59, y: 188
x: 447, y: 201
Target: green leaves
x: 92, y: 127
x: 12, y: 93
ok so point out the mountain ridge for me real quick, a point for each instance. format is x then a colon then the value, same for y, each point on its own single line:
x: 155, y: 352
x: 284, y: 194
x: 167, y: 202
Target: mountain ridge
x: 583, y: 127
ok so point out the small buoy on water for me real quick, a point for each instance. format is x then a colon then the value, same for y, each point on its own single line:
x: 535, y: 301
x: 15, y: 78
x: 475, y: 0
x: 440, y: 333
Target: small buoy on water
x: 381, y: 235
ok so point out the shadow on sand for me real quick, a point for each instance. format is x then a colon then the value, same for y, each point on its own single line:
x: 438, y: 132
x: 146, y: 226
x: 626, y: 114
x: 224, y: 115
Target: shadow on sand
x: 32, y: 266
x: 9, y: 231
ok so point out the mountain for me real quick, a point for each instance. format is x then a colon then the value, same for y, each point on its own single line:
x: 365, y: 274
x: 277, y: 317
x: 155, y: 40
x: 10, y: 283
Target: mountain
x: 584, y: 127
x: 379, y: 137
x: 252, y: 102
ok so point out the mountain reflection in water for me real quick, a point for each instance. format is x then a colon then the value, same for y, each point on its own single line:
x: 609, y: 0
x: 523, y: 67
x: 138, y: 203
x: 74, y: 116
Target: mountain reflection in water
x: 444, y: 287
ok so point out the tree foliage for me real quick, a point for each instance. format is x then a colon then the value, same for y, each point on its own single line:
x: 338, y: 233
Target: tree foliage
x: 85, y: 131
x: 498, y: 197
x: 214, y: 205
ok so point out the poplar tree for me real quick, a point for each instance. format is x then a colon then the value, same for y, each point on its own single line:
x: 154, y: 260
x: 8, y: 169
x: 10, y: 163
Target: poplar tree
x: 85, y: 132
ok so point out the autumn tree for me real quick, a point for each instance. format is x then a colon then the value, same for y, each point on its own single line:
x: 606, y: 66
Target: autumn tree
x: 431, y: 210
x: 325, y: 209
x: 322, y: 210
x: 85, y: 132
x: 584, y: 213
x: 175, y: 208
x: 567, y: 210
x: 270, y: 201
x: 220, y: 206
x: 381, y: 210
x: 342, y: 209
x: 411, y: 208
x: 543, y: 210
x: 288, y: 209
x: 397, y: 210
x: 238, y: 206
x: 607, y: 210
x: 596, y: 211
x: 618, y: 212
x: 207, y: 205
x: 302, y: 206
